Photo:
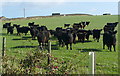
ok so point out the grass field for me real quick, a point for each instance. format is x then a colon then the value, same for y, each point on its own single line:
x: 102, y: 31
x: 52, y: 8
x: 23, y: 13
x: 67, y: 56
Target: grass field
x: 106, y: 62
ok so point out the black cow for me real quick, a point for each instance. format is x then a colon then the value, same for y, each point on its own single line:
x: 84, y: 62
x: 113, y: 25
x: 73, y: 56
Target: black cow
x: 16, y: 25
x: 64, y: 36
x: 84, y: 24
x: 81, y: 35
x: 88, y: 33
x: 87, y: 23
x: 10, y: 29
x: 67, y: 38
x: 31, y: 23
x: 33, y: 31
x: 96, y: 34
x: 109, y: 39
x: 58, y: 35
x: 22, y: 30
x: 6, y: 25
x: 43, y: 37
x: 76, y: 26
x: 66, y: 25
x: 110, y: 26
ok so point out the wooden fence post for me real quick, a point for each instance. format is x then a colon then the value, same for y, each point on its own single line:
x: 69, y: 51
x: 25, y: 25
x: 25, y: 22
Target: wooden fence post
x: 49, y: 52
x: 3, y: 46
x: 92, y: 63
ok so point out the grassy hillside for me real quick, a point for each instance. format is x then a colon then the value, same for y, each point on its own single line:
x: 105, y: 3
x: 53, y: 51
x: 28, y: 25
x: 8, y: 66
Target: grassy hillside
x: 20, y: 45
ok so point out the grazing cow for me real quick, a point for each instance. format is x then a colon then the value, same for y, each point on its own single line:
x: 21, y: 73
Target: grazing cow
x: 109, y: 39
x: 96, y: 34
x: 6, y: 25
x: 66, y: 25
x: 10, y: 29
x: 22, y: 30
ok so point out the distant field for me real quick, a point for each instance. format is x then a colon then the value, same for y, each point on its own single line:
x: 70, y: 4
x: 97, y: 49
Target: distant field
x: 107, y: 62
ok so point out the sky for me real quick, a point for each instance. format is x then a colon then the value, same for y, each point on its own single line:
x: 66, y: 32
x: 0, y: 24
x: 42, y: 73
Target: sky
x: 14, y: 9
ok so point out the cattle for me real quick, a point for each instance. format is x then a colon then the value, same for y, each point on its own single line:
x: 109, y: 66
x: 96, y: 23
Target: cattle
x: 88, y: 33
x: 64, y: 36
x: 87, y: 23
x: 66, y: 25
x: 81, y: 34
x: 22, y: 30
x: 84, y: 24
x: 33, y: 31
x: 10, y: 29
x: 109, y: 39
x: 58, y: 35
x: 67, y: 38
x: 110, y: 26
x: 16, y: 25
x: 43, y: 37
x: 31, y: 24
x: 76, y: 26
x: 6, y: 25
x: 96, y: 34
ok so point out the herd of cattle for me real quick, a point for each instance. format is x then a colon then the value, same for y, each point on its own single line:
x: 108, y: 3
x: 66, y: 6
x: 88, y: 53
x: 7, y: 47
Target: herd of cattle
x: 67, y: 36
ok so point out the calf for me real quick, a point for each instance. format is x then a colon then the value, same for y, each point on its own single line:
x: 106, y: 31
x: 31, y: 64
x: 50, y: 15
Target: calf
x: 109, y: 39
x: 96, y: 34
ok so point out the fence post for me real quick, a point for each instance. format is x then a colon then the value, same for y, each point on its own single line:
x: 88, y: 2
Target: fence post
x: 92, y: 63
x: 3, y: 46
x: 49, y: 52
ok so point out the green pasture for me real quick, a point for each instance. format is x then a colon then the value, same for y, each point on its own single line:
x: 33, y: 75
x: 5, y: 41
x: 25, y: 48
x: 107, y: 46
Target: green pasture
x: 106, y: 62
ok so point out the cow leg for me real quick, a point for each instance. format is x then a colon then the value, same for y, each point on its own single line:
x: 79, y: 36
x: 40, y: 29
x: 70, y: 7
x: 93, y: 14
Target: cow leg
x: 97, y: 40
x: 114, y: 48
x: 74, y: 37
x: 87, y: 37
x: 71, y: 46
x: 110, y: 47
